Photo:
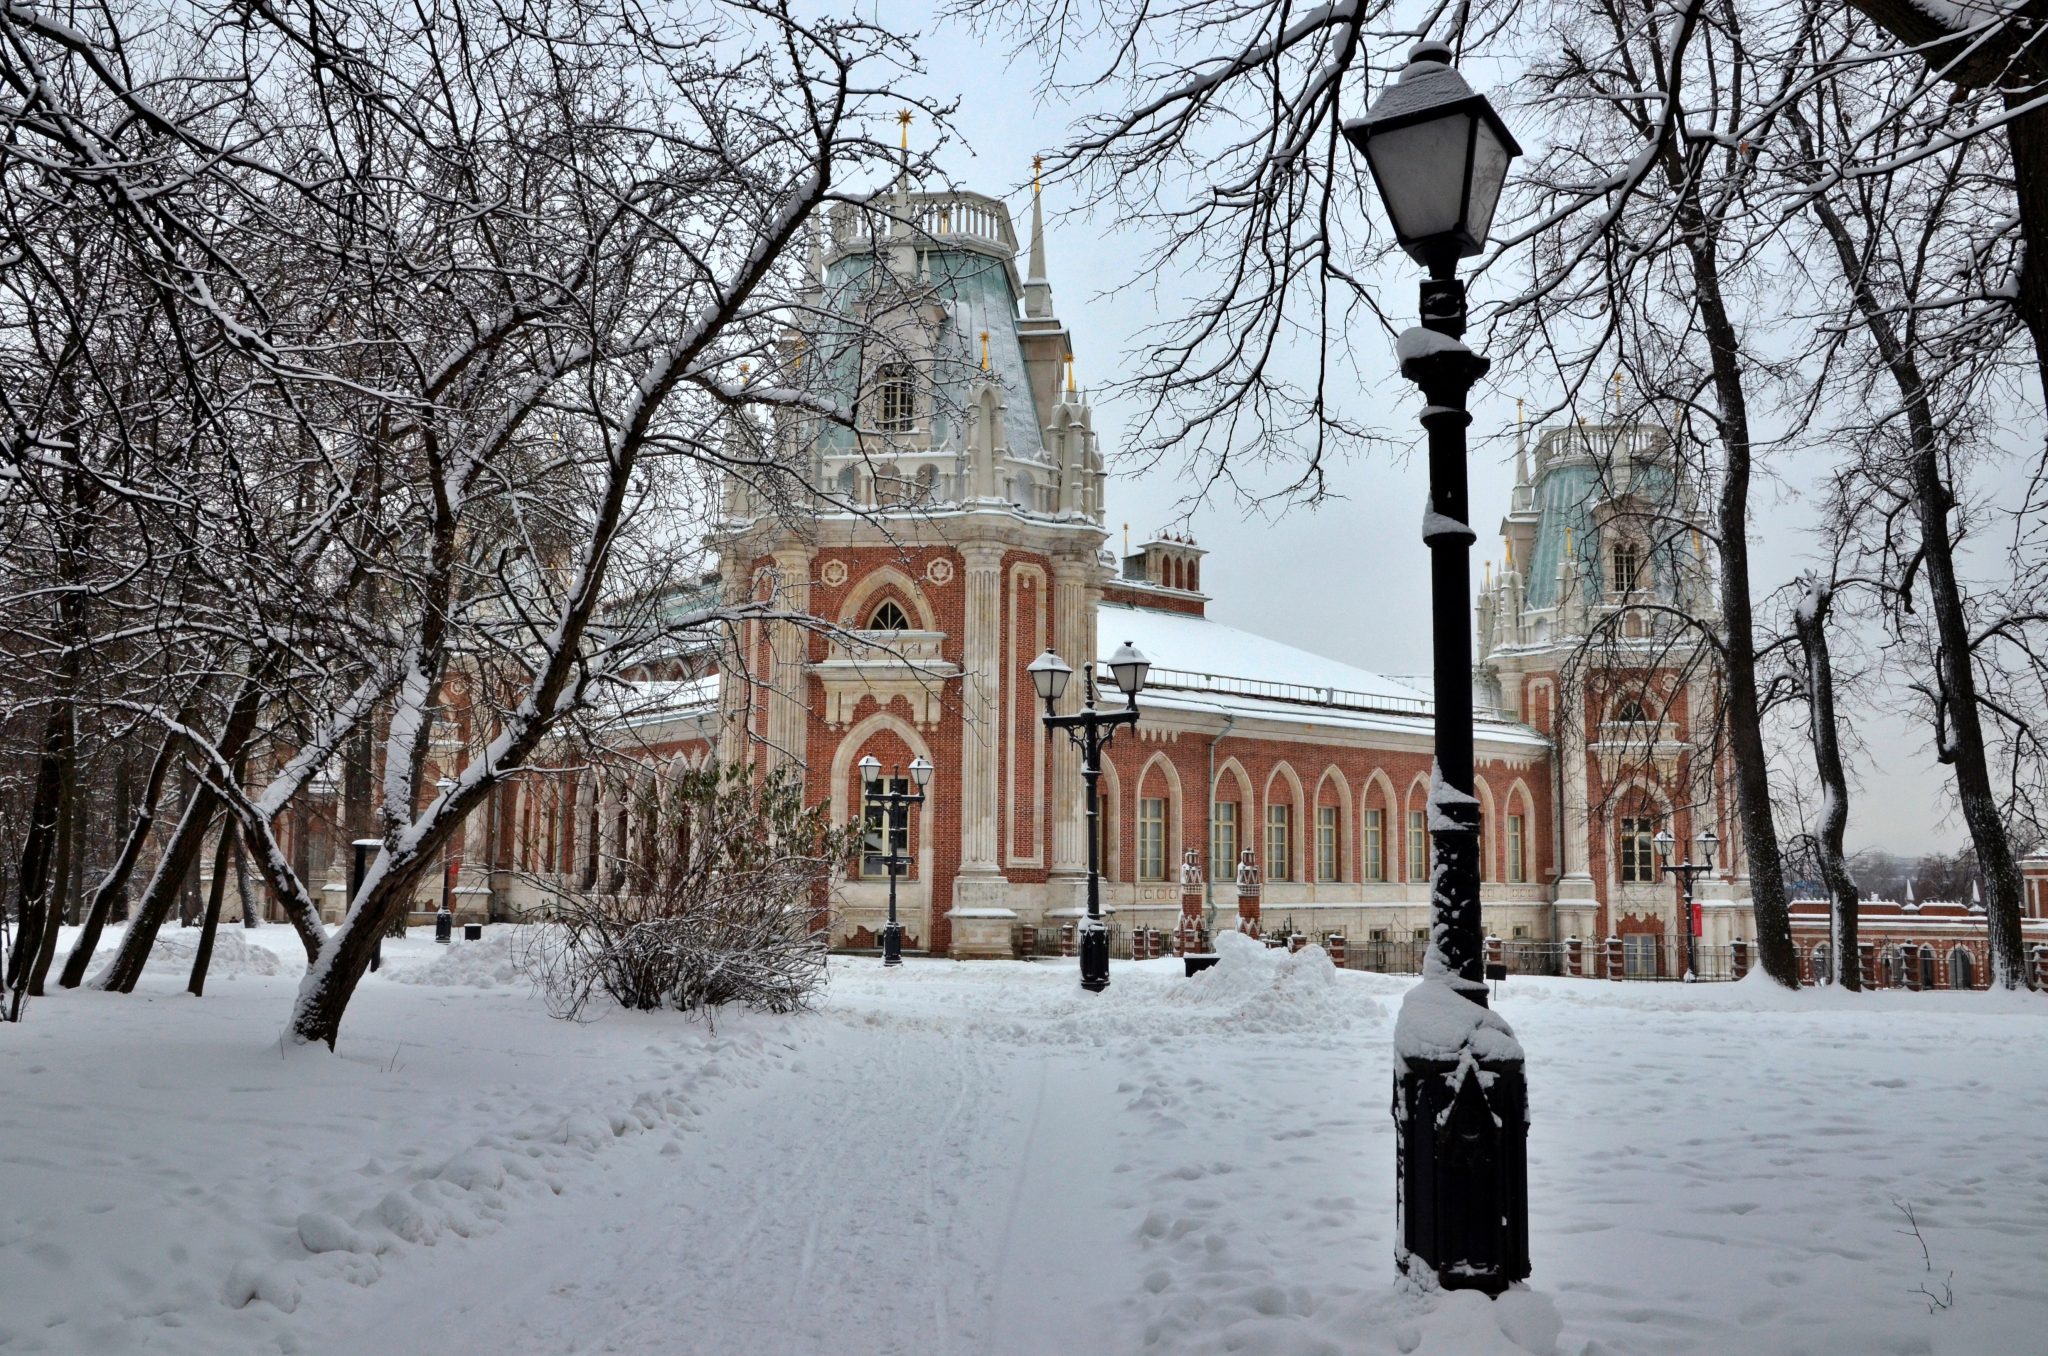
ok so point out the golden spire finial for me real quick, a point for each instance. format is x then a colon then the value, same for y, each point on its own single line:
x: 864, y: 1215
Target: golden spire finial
x: 1509, y: 543
x: 984, y: 350
x: 1489, y: 575
x: 1070, y: 374
x: 1518, y: 411
x: 903, y: 121
x: 1037, y: 164
x: 1567, y: 543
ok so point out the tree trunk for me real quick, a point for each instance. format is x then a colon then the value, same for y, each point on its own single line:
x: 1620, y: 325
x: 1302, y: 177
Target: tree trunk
x: 180, y: 855
x: 332, y: 980
x: 251, y: 898
x: 1959, y: 726
x: 1810, y: 622
x: 38, y: 852
x: 114, y: 885
x: 67, y: 853
x: 202, y: 956
x: 1744, y: 719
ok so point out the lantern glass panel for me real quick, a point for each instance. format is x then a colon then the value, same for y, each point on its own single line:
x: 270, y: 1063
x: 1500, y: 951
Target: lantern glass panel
x: 1420, y: 172
x: 1488, y: 171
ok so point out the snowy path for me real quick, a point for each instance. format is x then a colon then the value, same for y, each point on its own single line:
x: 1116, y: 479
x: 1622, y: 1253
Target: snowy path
x: 883, y: 1191
x: 982, y: 1160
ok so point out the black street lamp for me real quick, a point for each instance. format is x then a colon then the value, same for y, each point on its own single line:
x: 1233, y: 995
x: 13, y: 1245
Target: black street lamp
x: 444, y: 918
x: 896, y: 820
x: 1687, y: 872
x: 1439, y: 156
x: 1091, y: 731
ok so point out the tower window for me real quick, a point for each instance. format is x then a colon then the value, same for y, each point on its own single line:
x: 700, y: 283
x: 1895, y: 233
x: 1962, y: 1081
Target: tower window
x: 1625, y: 559
x: 892, y: 402
x: 888, y: 617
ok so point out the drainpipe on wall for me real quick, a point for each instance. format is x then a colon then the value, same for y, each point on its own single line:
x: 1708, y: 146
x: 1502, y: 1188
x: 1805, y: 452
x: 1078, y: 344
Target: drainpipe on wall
x: 1209, y: 849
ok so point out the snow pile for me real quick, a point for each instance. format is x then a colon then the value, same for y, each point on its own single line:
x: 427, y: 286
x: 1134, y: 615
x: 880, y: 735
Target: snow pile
x: 233, y: 953
x: 1254, y: 987
x: 482, y: 964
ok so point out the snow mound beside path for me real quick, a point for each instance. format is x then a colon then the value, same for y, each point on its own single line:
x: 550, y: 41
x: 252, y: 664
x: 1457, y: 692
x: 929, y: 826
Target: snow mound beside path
x: 482, y: 964
x: 232, y: 953
x: 1262, y: 988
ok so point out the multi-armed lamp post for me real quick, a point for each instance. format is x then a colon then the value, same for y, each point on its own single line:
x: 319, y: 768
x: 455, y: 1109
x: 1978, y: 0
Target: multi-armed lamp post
x: 1091, y: 731
x: 1687, y: 872
x: 896, y: 835
x: 1439, y: 155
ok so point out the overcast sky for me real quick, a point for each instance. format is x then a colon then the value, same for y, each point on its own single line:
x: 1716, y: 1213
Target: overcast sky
x: 1349, y: 579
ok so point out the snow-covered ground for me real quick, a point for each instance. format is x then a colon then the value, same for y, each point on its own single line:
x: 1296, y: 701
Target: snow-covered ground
x: 984, y: 1159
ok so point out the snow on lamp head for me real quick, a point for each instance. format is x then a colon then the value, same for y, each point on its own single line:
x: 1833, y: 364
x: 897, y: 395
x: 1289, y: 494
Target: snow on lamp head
x: 1439, y: 155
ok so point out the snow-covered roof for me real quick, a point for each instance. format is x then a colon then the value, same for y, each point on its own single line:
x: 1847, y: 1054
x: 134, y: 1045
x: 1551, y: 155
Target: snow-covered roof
x: 1202, y: 665
x: 1178, y: 643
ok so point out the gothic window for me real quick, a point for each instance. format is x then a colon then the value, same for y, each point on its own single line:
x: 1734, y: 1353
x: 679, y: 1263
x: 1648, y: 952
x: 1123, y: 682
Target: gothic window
x: 1152, y: 838
x: 1279, y: 842
x: 1223, y: 842
x: 1418, y: 846
x: 1326, y: 842
x: 927, y: 481
x: 1636, y: 850
x: 846, y: 484
x: 1639, y: 955
x: 1375, y: 844
x: 1518, y: 870
x: 875, y: 844
x: 892, y: 402
x: 1625, y: 560
x: 1961, y: 970
x: 888, y: 617
x: 1926, y: 967
x: 1821, y: 966
x: 1630, y: 710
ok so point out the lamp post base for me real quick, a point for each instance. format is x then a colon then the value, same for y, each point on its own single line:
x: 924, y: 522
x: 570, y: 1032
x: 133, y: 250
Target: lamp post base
x: 1094, y: 955
x: 1461, y: 1137
x: 892, y: 944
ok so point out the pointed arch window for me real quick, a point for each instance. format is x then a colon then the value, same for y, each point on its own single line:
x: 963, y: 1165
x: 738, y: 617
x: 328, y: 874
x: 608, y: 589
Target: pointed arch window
x: 888, y: 617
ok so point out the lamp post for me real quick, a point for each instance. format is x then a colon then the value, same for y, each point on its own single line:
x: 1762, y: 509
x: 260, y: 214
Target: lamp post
x: 444, y: 918
x: 1091, y: 731
x: 1439, y: 156
x: 896, y: 821
x: 1687, y: 872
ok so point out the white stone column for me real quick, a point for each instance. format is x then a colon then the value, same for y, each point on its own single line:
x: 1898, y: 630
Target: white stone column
x: 1575, y: 880
x: 982, y: 661
x: 788, y: 715
x: 1073, y: 613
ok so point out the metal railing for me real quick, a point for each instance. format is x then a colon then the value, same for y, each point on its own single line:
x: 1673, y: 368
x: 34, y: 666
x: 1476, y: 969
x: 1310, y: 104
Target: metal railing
x: 1302, y: 693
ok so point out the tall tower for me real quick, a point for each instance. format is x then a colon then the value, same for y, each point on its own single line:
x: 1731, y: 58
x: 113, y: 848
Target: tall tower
x: 957, y: 532
x: 1591, y: 633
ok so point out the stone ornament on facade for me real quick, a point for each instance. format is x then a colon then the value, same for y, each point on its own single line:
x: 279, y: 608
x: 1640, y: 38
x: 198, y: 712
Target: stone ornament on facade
x: 834, y: 573
x: 940, y: 571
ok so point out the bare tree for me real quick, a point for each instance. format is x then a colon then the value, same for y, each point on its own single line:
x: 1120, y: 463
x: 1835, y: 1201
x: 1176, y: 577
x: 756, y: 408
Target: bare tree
x: 467, y: 336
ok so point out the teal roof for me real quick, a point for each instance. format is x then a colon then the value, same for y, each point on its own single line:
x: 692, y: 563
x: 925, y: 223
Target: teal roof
x: 976, y: 291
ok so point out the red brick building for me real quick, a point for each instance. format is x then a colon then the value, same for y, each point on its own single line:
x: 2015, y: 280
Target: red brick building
x: 964, y: 534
